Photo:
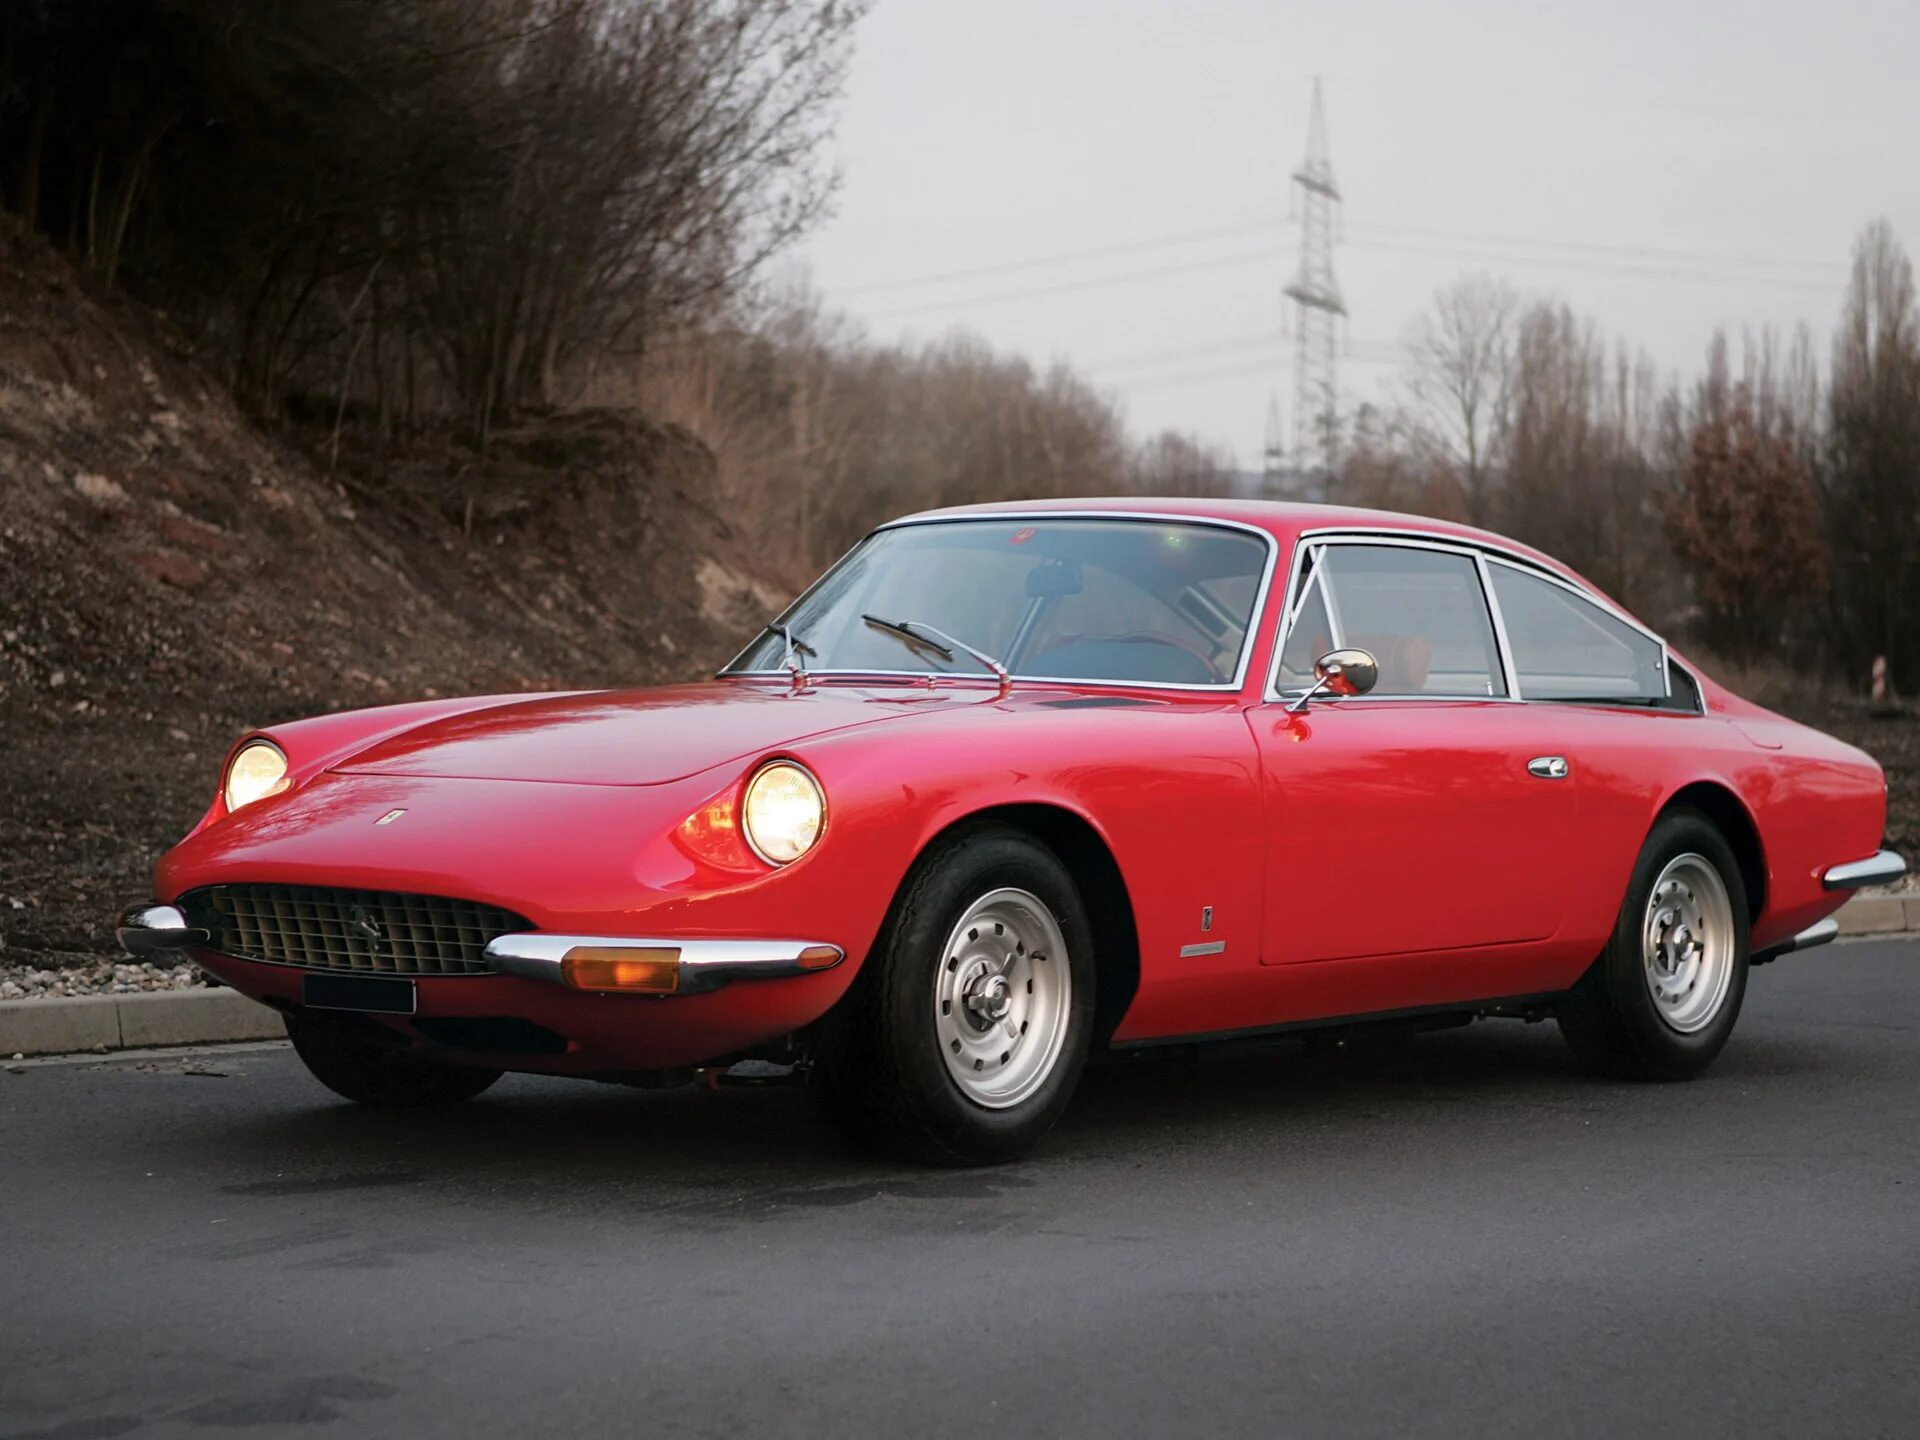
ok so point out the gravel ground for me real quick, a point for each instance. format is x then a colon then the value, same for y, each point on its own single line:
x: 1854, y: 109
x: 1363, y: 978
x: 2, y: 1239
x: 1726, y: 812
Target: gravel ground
x: 96, y: 977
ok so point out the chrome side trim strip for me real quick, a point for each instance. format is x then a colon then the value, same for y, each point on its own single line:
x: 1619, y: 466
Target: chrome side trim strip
x: 1210, y: 947
x: 704, y: 964
x: 157, y: 929
x: 1881, y: 868
x: 1819, y: 933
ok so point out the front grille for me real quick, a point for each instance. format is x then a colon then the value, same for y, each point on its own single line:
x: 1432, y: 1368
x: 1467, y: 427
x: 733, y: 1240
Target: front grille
x: 371, y: 932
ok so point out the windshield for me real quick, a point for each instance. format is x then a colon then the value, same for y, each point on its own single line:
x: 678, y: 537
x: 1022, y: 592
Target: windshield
x: 1157, y: 602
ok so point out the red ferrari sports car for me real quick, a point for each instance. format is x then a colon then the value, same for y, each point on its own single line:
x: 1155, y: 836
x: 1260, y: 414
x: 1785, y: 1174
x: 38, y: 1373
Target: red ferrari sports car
x: 1013, y: 785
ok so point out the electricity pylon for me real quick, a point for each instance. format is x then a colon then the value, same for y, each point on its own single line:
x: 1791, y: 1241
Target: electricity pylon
x: 1318, y: 309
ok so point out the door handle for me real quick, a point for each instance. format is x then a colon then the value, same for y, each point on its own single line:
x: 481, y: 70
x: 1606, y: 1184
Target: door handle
x: 1548, y: 767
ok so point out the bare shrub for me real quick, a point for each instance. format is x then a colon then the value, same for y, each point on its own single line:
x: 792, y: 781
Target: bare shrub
x: 429, y: 208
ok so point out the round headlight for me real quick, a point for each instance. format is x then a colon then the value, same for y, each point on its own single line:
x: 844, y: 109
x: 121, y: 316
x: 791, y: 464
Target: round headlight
x: 784, y: 812
x: 259, y: 770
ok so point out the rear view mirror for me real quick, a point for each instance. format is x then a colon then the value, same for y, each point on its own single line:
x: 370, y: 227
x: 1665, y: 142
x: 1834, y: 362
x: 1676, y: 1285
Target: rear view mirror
x: 1050, y: 581
x: 1341, y: 672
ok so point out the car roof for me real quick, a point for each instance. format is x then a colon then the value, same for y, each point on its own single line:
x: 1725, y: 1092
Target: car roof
x: 1285, y: 520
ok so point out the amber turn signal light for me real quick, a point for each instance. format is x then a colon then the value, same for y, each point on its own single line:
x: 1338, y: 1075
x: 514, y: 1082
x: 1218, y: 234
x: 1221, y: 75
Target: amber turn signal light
x: 639, y: 972
x: 818, y: 957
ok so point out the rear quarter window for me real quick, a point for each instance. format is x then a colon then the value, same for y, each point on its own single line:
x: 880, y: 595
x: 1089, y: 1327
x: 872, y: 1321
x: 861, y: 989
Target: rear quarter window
x: 1568, y: 648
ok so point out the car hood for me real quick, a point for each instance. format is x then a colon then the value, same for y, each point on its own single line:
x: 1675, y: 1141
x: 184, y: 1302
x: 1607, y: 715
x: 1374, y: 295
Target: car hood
x: 636, y: 737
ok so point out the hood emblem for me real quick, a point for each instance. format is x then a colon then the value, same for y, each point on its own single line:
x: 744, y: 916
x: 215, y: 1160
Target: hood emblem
x: 364, y: 923
x: 390, y: 817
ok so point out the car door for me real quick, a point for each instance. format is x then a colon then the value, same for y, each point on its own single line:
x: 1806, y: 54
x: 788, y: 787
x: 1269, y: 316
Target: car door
x: 1427, y: 816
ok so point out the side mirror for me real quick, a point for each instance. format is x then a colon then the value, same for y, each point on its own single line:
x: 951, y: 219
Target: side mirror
x: 1340, y: 672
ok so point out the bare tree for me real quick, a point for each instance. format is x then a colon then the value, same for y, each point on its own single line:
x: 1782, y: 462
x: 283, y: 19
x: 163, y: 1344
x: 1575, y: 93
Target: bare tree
x: 1171, y: 463
x: 1873, y: 470
x: 1460, y: 379
x: 446, y: 203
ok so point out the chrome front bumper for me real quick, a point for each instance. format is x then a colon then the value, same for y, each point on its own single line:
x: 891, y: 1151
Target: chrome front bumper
x: 148, y: 930
x: 703, y: 964
x: 1881, y: 868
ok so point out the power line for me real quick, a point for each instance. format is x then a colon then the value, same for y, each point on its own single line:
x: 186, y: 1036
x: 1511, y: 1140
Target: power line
x: 1064, y: 257
x: 1204, y: 376
x: 1273, y: 225
x: 1648, y: 252
x: 1537, y: 102
x: 1128, y: 277
x: 1625, y: 269
x: 1187, y: 352
x: 1364, y: 351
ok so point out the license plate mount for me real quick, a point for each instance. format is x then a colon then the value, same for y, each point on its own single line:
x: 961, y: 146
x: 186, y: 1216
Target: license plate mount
x: 369, y: 994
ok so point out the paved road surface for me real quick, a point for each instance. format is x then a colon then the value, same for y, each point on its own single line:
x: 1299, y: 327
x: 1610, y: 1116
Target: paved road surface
x: 1463, y: 1238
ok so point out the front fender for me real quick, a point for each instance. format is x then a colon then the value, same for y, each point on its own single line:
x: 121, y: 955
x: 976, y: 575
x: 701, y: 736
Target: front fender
x: 1170, y: 787
x: 319, y: 742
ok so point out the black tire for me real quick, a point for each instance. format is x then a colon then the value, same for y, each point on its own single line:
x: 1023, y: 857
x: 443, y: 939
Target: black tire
x: 883, y: 1072
x: 1611, y: 1020
x: 353, y: 1060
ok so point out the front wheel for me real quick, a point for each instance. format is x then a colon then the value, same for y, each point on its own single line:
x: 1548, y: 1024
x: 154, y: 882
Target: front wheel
x: 356, y: 1064
x: 1661, y: 1001
x: 964, y: 1036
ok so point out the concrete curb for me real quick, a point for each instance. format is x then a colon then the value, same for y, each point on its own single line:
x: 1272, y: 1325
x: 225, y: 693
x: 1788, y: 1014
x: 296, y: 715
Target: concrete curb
x: 133, y: 1022
x: 1880, y: 915
x: 221, y: 1017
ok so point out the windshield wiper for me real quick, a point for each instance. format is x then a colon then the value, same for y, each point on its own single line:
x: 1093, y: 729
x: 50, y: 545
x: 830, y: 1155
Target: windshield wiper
x: 795, y: 647
x: 928, y: 637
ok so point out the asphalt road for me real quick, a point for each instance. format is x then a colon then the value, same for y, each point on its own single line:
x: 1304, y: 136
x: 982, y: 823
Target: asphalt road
x: 1467, y: 1236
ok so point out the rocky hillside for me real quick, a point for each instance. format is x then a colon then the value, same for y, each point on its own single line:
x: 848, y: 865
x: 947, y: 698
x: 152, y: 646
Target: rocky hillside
x: 171, y: 574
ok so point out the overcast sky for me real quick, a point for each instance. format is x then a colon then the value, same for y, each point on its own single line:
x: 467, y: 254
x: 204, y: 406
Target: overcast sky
x: 1665, y: 167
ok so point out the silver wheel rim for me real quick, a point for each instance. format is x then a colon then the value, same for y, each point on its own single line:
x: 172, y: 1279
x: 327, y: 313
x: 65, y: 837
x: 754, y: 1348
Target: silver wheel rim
x: 1001, y: 998
x: 1687, y: 943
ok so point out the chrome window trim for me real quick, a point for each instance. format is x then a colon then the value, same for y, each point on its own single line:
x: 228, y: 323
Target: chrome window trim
x: 1290, y: 613
x: 1247, y: 642
x: 1313, y: 544
x: 1486, y: 553
x: 1494, y: 549
x: 793, y: 605
x: 1605, y: 607
x: 1509, y: 667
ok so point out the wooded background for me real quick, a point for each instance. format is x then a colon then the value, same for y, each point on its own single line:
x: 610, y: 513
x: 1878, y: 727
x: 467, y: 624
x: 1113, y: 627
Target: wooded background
x: 396, y: 225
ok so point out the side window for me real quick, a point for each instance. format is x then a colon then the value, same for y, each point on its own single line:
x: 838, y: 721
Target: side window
x: 1566, y: 648
x: 1309, y: 639
x: 1421, y: 613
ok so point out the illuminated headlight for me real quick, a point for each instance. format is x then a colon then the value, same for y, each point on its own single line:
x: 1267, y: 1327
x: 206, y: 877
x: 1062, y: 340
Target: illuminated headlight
x: 784, y: 812
x: 259, y: 770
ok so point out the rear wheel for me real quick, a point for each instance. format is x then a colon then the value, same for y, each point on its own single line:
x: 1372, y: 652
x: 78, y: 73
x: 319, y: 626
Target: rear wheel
x: 1662, y: 999
x: 354, y: 1061
x: 964, y: 1036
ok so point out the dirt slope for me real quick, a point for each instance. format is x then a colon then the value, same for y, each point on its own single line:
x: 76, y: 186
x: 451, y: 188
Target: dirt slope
x: 170, y: 574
